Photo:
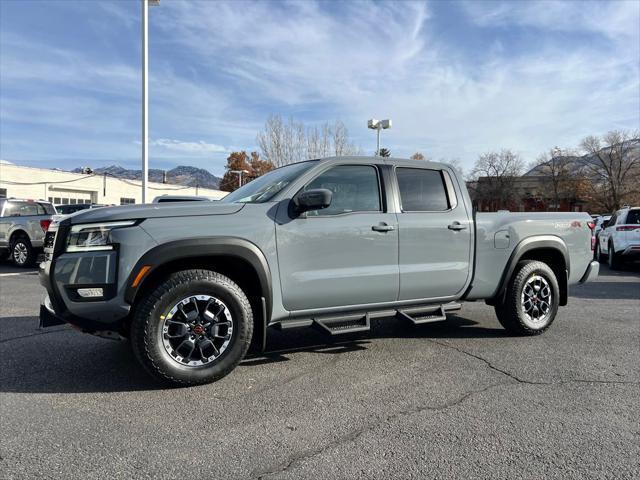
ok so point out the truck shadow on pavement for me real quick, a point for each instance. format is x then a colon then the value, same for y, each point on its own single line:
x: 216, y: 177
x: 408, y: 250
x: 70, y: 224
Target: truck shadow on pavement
x: 281, y: 344
x: 64, y: 361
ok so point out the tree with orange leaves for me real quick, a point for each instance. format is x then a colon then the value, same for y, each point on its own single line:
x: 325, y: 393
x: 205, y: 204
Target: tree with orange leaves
x: 252, y: 165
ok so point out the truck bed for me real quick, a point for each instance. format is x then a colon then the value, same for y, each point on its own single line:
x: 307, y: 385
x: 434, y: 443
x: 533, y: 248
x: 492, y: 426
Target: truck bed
x: 498, y: 235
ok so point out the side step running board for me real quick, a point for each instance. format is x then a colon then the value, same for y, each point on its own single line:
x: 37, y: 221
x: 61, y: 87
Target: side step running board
x: 342, y: 325
x: 361, y: 322
x: 421, y: 315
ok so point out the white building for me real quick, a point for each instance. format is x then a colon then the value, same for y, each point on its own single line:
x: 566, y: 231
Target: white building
x: 61, y: 187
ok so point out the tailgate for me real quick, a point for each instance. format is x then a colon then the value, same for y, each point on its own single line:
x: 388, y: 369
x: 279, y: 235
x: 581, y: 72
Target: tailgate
x: 632, y: 235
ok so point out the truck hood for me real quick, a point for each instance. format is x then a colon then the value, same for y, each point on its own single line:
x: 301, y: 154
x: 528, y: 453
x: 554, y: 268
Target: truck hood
x: 153, y: 210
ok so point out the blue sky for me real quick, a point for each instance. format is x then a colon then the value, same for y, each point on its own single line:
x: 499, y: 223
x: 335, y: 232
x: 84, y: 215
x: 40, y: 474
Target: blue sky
x: 456, y: 78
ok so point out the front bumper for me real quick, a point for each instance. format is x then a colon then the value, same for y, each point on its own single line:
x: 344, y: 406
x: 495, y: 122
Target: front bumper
x: 48, y: 317
x: 68, y: 276
x: 591, y: 273
x: 63, y: 274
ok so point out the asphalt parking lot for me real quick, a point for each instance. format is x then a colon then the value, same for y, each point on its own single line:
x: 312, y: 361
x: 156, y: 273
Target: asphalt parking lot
x: 451, y: 400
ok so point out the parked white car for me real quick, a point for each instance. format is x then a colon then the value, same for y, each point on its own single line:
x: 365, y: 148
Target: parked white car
x: 601, y: 221
x: 619, y: 240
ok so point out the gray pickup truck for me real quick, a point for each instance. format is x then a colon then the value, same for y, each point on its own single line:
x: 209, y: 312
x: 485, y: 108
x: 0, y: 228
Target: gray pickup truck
x: 329, y: 243
x: 23, y: 224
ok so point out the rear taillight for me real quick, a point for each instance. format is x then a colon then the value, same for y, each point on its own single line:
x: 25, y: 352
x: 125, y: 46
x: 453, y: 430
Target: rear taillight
x: 593, y: 242
x: 45, y: 225
x: 591, y: 225
x: 627, y: 228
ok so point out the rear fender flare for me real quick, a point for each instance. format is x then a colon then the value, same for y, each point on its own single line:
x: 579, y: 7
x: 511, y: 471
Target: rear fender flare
x: 528, y: 244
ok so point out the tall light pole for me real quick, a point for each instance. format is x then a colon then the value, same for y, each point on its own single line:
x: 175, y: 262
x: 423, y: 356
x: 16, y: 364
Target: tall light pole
x: 145, y: 95
x: 378, y: 125
x: 239, y: 173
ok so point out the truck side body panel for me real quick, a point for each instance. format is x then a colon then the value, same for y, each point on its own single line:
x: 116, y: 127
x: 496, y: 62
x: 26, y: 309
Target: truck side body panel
x: 498, y: 235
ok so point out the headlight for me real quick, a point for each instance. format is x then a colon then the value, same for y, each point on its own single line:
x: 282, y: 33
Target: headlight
x: 93, y: 236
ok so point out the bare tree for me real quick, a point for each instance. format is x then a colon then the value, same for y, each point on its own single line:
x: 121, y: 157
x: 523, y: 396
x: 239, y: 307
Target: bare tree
x: 456, y: 164
x: 282, y: 142
x: 558, y: 169
x: 494, y: 177
x: 271, y: 140
x: 613, y: 165
x: 341, y: 143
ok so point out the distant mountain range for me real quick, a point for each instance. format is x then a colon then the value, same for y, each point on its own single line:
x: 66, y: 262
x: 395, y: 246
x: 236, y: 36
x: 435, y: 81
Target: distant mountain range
x: 182, y: 175
x: 576, y: 163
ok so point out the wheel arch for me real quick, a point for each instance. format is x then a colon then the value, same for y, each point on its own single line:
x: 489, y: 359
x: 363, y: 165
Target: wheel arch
x: 240, y: 260
x: 18, y: 232
x: 545, y: 248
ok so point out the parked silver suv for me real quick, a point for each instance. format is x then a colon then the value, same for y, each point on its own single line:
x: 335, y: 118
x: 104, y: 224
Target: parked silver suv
x: 23, y: 224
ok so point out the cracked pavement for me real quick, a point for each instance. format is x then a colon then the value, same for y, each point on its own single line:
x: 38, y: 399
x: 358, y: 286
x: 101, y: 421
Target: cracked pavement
x: 457, y: 399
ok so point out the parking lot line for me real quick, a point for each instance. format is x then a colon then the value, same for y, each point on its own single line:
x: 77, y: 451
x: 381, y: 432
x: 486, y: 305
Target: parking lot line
x: 15, y: 274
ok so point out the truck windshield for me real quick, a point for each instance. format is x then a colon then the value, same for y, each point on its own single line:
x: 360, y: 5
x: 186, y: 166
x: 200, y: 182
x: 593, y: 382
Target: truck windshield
x: 264, y: 188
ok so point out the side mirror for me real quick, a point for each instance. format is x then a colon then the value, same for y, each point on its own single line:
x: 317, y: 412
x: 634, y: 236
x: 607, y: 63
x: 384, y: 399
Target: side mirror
x: 315, y: 199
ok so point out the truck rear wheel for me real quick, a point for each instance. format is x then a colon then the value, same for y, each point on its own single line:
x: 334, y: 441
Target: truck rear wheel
x: 193, y: 328
x: 22, y: 253
x: 532, y: 298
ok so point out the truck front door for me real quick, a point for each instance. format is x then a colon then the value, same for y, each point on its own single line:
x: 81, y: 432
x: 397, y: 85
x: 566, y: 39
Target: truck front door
x: 346, y: 254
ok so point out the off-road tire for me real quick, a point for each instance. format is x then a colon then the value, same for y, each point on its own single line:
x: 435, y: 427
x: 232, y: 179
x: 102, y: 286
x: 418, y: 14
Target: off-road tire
x: 614, y: 259
x: 510, y: 312
x: 22, y: 242
x: 146, y: 337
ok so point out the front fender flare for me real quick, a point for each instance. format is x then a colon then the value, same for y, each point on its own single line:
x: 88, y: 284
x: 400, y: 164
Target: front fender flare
x: 204, y: 247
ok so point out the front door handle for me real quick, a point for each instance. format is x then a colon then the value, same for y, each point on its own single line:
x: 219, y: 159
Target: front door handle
x: 383, y: 227
x: 456, y: 226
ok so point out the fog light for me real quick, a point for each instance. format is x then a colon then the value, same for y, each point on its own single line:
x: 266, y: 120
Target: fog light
x: 90, y: 292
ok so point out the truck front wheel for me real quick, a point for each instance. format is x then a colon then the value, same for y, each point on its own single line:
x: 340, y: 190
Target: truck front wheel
x: 531, y: 302
x: 193, y: 328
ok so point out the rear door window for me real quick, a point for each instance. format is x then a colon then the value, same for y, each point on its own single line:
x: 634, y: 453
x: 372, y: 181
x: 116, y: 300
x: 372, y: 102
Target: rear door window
x: 47, y: 209
x: 422, y: 190
x: 633, y: 217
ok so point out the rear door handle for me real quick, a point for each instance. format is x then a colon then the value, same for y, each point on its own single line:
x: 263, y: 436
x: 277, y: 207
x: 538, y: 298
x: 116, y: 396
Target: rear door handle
x: 383, y: 227
x: 456, y: 226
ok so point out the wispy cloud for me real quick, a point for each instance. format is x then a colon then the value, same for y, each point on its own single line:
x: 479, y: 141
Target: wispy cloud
x: 301, y: 52
x: 198, y: 148
x: 614, y: 19
x: 456, y: 78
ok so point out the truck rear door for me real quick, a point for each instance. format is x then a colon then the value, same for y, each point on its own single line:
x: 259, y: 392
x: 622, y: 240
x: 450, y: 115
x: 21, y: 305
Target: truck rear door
x: 434, y: 235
